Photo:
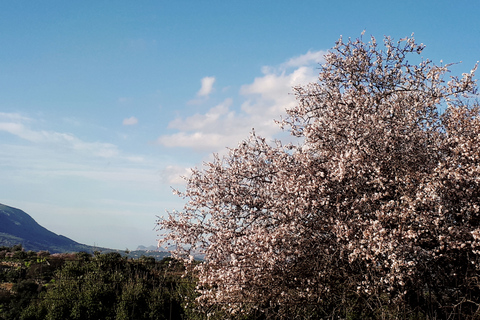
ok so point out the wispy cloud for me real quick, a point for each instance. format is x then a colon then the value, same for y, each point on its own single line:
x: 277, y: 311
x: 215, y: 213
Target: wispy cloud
x: 20, y: 130
x: 203, y: 121
x: 72, y: 178
x: 311, y: 57
x: 130, y: 121
x: 175, y: 174
x: 6, y: 116
x: 19, y: 126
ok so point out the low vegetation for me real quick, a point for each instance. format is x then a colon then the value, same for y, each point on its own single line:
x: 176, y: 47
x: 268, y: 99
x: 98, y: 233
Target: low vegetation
x: 39, y: 285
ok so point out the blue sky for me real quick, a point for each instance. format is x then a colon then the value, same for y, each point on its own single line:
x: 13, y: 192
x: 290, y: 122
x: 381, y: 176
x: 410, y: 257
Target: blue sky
x: 104, y: 104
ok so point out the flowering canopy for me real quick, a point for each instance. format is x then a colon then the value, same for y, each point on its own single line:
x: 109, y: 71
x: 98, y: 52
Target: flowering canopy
x: 382, y: 193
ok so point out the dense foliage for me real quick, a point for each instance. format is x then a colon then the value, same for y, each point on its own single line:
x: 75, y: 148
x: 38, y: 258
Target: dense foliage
x: 37, y: 285
x: 374, y: 214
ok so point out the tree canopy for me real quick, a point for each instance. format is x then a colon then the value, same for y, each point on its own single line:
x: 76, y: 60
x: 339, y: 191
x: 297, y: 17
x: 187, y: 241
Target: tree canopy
x: 379, y: 200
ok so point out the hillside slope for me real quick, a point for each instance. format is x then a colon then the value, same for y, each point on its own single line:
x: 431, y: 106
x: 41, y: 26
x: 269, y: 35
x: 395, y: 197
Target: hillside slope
x: 17, y: 227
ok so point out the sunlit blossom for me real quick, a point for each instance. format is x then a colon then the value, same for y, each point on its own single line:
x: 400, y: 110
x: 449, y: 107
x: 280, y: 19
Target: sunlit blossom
x: 382, y: 191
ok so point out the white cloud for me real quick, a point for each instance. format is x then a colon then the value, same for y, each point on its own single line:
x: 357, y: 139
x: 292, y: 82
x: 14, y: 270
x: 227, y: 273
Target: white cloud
x: 175, y: 174
x: 207, y: 86
x: 20, y: 130
x: 203, y: 121
x: 200, y: 141
x: 4, y: 116
x: 130, y: 121
x: 271, y: 94
x: 263, y: 101
x: 311, y: 57
x: 211, y: 131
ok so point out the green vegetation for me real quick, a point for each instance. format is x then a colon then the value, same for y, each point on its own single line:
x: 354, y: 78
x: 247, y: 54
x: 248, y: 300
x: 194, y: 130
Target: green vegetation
x: 37, y: 285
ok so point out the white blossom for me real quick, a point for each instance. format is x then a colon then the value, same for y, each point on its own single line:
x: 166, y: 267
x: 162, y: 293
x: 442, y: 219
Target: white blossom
x: 382, y: 190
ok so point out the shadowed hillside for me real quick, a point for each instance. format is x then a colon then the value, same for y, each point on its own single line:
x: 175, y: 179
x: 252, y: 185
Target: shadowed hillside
x: 17, y: 227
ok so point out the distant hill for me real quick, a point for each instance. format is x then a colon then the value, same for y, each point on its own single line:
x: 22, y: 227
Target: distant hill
x: 149, y: 248
x: 17, y: 227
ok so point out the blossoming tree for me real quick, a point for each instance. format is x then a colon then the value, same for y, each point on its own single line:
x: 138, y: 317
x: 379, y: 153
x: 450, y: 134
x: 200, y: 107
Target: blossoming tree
x: 380, y: 197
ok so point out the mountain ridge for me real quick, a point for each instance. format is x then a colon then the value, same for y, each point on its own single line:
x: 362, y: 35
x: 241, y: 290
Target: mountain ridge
x: 18, y: 227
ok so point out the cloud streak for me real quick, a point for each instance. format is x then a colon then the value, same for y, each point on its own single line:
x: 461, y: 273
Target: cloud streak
x: 130, y: 121
x: 18, y: 126
x: 309, y: 58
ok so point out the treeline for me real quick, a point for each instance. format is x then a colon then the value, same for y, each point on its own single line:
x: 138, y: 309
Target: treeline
x: 39, y: 285
x: 84, y: 286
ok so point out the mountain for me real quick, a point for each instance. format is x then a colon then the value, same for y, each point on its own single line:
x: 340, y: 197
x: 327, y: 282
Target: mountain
x: 149, y: 248
x: 17, y: 227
